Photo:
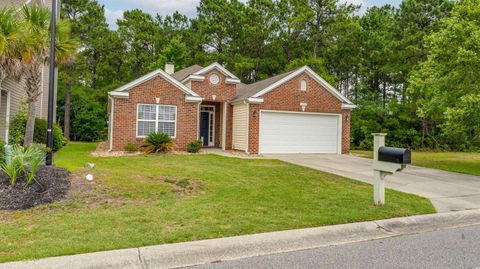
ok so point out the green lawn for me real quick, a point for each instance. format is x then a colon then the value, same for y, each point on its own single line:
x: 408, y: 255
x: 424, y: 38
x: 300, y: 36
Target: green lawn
x: 146, y: 200
x: 460, y: 162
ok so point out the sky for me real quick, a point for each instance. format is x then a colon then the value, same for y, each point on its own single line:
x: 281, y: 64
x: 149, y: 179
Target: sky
x: 114, y: 8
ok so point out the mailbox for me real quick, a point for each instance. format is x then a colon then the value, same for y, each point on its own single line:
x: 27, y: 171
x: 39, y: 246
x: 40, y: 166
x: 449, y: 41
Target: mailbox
x: 386, y: 161
x: 394, y: 155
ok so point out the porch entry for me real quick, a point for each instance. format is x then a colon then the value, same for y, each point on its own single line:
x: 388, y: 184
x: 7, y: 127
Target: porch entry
x: 207, y: 125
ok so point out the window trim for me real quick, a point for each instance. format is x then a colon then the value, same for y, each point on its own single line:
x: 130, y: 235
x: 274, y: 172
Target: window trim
x: 156, y: 118
x: 306, y: 85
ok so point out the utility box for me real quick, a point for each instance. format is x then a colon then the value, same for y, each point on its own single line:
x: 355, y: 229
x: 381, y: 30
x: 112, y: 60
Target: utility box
x: 395, y: 155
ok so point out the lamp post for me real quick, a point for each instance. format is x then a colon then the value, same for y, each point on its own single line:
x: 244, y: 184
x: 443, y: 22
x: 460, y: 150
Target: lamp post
x: 51, y: 85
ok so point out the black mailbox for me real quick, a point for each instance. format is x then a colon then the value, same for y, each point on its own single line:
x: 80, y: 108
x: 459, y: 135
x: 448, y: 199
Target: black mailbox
x: 394, y: 155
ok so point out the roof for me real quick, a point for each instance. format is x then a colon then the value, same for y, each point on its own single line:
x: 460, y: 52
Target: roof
x: 184, y: 73
x: 260, y: 88
x: 218, y: 66
x: 249, y: 90
x: 123, y: 91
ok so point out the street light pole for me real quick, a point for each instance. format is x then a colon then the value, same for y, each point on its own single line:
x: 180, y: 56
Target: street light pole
x: 51, y: 85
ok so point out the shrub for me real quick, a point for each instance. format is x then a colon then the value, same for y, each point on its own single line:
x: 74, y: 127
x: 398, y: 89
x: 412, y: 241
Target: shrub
x: 130, y: 147
x: 40, y: 134
x: 23, y: 159
x: 13, y: 165
x: 89, y: 122
x: 17, y: 131
x: 195, y: 146
x: 157, y: 142
x: 33, y: 156
x: 2, y: 151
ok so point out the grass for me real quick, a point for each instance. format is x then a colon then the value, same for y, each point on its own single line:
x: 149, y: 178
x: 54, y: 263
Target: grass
x: 139, y: 201
x: 460, y: 162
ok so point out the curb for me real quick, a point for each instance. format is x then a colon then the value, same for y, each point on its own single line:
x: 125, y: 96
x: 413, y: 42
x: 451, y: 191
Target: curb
x: 231, y: 248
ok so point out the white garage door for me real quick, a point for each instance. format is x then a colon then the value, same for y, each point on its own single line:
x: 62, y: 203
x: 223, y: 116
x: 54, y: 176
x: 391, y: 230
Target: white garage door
x: 282, y: 132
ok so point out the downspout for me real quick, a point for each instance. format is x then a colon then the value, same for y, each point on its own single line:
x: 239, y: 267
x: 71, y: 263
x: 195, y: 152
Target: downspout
x: 224, y: 126
x: 248, y: 127
x: 7, y: 118
x: 110, y: 124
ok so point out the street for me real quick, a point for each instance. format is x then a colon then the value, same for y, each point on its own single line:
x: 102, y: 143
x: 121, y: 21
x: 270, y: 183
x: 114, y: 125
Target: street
x: 457, y: 248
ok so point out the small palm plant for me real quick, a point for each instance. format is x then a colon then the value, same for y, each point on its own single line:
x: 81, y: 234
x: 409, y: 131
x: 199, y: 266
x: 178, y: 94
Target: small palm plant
x: 13, y: 164
x: 157, y: 143
x: 23, y: 159
x: 33, y: 156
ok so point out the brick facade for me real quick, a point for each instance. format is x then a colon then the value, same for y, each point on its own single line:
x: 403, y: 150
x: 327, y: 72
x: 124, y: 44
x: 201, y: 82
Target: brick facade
x: 125, y: 113
x: 287, y: 97
x: 223, y: 91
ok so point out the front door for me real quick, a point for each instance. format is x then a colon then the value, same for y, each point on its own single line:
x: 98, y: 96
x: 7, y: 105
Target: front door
x: 207, y: 123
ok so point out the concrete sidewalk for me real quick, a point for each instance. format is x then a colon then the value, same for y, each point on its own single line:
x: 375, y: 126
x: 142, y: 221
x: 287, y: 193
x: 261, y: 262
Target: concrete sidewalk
x: 448, y: 191
x: 231, y: 248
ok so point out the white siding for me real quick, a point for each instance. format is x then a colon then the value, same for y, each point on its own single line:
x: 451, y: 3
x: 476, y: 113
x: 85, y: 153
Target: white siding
x: 42, y: 105
x: 3, y: 106
x: 17, y: 94
x: 240, y: 127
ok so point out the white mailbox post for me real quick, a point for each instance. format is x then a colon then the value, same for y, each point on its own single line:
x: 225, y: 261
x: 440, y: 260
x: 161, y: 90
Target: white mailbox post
x: 383, y: 168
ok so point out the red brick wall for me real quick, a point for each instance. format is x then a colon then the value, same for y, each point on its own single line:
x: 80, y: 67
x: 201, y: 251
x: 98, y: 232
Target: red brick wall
x: 223, y: 91
x: 125, y: 113
x: 287, y: 97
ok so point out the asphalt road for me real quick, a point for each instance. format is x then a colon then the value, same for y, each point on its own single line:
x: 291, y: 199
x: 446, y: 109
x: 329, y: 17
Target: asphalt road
x: 457, y: 248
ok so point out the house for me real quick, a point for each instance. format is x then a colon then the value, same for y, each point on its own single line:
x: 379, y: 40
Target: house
x: 12, y: 92
x: 294, y: 112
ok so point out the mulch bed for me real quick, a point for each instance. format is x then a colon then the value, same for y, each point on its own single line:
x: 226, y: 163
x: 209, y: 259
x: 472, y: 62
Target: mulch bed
x: 53, y: 184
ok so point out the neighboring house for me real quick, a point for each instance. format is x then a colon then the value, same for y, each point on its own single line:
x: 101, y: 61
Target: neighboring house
x: 13, y: 92
x: 294, y: 112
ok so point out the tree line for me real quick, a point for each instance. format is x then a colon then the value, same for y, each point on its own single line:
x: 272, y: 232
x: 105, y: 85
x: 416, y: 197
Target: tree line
x: 412, y: 70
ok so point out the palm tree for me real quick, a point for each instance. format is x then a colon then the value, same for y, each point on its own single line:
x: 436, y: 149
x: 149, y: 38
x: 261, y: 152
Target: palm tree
x: 35, y: 53
x: 10, y: 45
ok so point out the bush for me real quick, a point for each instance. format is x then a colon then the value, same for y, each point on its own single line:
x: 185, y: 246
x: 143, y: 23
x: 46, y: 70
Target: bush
x: 40, y: 134
x: 195, y: 146
x: 89, y: 123
x: 130, y: 147
x: 157, y: 142
x: 23, y: 159
x: 2, y: 151
x: 17, y: 127
x: 17, y: 131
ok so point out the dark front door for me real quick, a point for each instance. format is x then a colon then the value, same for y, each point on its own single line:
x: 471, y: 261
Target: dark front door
x: 204, y: 126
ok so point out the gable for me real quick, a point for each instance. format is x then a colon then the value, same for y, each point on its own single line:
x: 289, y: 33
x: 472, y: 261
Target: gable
x: 296, y: 73
x: 214, y: 87
x: 290, y: 95
x: 123, y: 91
x: 199, y: 75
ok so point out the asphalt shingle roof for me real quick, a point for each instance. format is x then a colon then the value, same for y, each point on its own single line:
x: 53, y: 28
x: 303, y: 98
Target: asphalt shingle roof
x: 248, y: 90
x: 184, y: 73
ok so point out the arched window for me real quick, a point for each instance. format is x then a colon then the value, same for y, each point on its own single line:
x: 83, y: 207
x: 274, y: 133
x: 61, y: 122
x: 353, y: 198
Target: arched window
x: 303, y: 85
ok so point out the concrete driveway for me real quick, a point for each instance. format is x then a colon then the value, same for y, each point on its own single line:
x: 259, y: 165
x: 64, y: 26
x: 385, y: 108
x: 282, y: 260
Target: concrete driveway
x: 448, y: 191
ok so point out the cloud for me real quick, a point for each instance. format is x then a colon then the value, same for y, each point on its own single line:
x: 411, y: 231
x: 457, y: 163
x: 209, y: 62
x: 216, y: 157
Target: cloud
x: 112, y: 17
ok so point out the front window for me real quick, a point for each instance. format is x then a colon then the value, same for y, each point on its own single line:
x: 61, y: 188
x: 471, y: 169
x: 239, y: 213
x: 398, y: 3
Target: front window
x: 156, y: 118
x: 303, y: 85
